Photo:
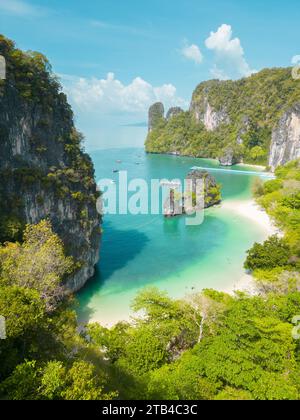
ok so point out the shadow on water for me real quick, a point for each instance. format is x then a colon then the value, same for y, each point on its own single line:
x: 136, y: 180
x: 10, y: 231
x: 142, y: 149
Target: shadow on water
x: 117, y: 249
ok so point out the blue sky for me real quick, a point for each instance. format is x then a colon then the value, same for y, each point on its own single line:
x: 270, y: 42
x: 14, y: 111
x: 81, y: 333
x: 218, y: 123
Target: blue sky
x: 115, y: 57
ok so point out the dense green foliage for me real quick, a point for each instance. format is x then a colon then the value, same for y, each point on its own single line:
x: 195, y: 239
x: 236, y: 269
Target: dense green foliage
x: 43, y: 357
x: 253, y: 106
x: 276, y: 264
x: 271, y: 254
x: 182, y: 134
x: 245, y: 350
x: 30, y: 73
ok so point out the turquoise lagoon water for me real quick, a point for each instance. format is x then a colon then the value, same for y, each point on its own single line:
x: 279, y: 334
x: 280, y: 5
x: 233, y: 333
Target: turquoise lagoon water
x: 150, y: 250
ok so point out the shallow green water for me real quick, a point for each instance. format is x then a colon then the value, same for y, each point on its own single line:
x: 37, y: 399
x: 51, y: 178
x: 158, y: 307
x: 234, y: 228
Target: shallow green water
x: 139, y: 251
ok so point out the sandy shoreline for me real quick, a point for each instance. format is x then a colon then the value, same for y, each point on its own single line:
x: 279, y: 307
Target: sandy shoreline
x: 261, y: 167
x: 245, y: 284
x: 250, y: 210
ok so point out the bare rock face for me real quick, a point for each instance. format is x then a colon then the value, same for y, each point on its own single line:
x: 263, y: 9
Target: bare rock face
x: 228, y: 158
x: 285, y: 144
x: 245, y: 125
x: 239, y: 139
x: 213, y: 119
x: 173, y: 112
x: 210, y: 117
x: 208, y: 189
x: 212, y: 191
x: 156, y: 114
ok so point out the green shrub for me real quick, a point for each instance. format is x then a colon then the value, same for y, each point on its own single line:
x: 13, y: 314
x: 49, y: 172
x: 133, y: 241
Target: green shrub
x: 272, y: 253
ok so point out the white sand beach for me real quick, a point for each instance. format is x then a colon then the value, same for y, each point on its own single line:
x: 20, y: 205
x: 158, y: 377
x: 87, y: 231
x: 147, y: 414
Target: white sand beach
x: 245, y: 284
x: 261, y: 167
x: 251, y: 210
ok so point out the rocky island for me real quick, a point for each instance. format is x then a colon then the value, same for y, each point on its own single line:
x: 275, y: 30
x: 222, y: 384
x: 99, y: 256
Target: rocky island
x: 196, y: 197
x: 255, y: 120
x: 212, y: 190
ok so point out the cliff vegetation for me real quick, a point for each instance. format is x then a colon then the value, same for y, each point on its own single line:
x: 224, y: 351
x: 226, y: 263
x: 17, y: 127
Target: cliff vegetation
x: 46, y: 171
x: 232, y: 120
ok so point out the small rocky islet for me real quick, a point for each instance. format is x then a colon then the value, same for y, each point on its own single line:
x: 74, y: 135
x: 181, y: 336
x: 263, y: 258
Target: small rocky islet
x: 202, y: 192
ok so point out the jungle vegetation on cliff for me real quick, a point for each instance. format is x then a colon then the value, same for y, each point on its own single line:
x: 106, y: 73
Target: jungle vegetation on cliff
x: 243, y: 115
x: 47, y: 173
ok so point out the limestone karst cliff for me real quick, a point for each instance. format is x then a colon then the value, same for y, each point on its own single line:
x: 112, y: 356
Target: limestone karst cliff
x: 253, y: 120
x: 212, y: 190
x: 44, y: 171
x: 211, y: 118
x: 173, y: 112
x: 285, y: 144
x: 202, y: 191
x: 228, y: 157
x: 156, y: 114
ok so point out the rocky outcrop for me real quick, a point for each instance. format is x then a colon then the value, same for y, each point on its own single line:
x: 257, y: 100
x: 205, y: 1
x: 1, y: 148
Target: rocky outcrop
x: 228, y: 158
x: 212, y: 191
x: 173, y: 112
x: 213, y: 119
x: 196, y: 197
x: 44, y: 172
x: 156, y: 114
x: 285, y: 145
x: 210, y: 117
x: 245, y: 126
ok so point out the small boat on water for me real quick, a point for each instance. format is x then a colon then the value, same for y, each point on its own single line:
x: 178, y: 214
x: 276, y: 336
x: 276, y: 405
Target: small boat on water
x: 115, y: 171
x: 118, y: 161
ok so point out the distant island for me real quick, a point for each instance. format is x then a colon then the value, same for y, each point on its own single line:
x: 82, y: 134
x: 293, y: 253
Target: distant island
x: 255, y: 120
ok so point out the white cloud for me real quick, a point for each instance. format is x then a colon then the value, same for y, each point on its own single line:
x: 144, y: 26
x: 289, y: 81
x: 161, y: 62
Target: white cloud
x: 19, y: 8
x: 111, y: 96
x: 219, y: 73
x: 296, y: 59
x: 229, y: 53
x: 192, y: 52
